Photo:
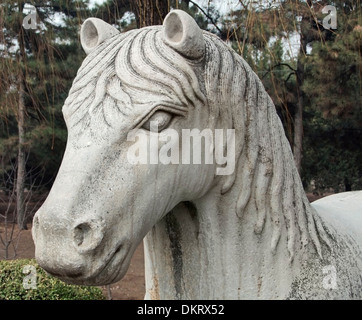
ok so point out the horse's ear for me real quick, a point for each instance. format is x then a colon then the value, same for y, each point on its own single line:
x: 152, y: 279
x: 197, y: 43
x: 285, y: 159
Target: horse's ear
x: 181, y: 32
x: 93, y: 32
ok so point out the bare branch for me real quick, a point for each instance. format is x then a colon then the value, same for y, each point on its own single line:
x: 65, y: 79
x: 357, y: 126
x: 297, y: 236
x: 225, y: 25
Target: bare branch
x: 286, y: 65
x: 278, y: 65
x: 290, y: 74
x: 207, y: 16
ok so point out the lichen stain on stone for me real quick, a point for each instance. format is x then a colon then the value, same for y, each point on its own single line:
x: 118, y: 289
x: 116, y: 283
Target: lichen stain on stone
x: 174, y: 233
x: 260, y: 282
x: 155, y: 290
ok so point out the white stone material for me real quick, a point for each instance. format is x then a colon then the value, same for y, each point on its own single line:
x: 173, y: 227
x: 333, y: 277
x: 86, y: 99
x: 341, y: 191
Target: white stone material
x: 249, y: 235
x: 93, y: 32
x: 344, y: 210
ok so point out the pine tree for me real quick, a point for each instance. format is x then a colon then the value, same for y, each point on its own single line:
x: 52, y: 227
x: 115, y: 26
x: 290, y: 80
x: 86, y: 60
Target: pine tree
x: 37, y: 69
x: 253, y: 27
x: 334, y: 104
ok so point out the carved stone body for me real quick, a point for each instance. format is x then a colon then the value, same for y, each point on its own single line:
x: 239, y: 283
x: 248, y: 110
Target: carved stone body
x: 252, y: 234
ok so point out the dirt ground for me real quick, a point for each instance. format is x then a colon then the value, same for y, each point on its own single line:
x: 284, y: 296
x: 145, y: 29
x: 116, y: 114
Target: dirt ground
x: 131, y: 287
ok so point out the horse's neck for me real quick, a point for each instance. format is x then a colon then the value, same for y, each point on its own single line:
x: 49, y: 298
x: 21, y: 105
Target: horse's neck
x: 205, y: 251
x: 248, y: 236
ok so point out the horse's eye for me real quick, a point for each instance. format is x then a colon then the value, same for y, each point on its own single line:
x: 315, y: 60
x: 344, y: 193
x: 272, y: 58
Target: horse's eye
x: 158, y: 122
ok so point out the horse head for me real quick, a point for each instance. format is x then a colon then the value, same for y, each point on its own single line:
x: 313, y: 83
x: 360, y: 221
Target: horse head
x: 101, y: 205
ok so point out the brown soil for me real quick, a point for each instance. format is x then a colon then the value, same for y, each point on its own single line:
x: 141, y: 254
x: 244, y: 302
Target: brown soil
x: 131, y: 287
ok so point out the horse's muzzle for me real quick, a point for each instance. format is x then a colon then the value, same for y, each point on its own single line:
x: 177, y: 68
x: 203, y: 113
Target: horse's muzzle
x: 64, y: 248
x: 78, y: 251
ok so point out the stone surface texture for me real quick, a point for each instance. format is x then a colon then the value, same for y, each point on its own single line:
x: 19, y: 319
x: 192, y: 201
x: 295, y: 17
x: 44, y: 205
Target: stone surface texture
x: 249, y: 235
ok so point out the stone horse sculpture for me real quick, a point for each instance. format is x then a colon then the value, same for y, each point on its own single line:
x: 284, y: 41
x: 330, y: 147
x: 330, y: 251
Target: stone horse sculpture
x: 252, y: 234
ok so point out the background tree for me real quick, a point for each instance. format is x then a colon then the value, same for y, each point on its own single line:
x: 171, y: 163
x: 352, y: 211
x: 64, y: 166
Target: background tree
x: 333, y: 105
x: 262, y: 31
x: 35, y: 80
x: 147, y: 13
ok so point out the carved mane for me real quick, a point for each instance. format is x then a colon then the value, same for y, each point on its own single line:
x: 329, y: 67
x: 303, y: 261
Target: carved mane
x: 123, y: 65
x: 266, y: 166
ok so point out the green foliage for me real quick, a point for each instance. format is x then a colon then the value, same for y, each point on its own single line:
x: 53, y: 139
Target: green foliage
x: 47, y: 287
x: 333, y: 105
x: 333, y: 79
x: 332, y: 153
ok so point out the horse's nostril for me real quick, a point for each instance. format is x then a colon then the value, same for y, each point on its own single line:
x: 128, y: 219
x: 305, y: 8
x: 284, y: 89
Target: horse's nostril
x: 81, y: 233
x: 87, y: 236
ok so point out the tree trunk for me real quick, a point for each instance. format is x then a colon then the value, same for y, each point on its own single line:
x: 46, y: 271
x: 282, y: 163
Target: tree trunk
x: 305, y: 29
x: 149, y: 12
x: 20, y: 180
x: 298, y: 117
